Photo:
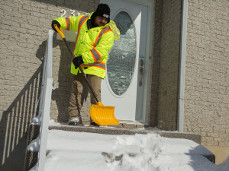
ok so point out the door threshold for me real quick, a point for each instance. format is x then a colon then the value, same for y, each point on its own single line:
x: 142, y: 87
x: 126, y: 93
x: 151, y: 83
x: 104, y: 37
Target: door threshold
x: 129, y: 124
x: 123, y: 124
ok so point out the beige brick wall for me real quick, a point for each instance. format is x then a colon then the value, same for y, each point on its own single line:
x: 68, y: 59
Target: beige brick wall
x: 24, y: 32
x: 169, y: 64
x: 207, y: 71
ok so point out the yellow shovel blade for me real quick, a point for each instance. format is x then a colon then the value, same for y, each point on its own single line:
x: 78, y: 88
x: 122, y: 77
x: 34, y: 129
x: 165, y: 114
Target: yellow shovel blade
x: 103, y: 115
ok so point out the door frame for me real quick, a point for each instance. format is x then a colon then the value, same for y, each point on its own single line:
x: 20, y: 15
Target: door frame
x: 147, y: 66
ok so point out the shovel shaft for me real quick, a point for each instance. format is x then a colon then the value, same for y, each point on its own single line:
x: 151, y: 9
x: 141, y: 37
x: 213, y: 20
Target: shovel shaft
x: 89, y: 85
x: 73, y: 56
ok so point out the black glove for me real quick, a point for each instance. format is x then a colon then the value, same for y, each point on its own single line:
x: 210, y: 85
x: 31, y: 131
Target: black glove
x: 55, y: 22
x: 77, y: 61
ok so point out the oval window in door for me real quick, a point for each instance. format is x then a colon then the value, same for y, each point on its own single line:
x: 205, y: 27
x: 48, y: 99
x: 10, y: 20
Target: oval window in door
x: 121, y: 62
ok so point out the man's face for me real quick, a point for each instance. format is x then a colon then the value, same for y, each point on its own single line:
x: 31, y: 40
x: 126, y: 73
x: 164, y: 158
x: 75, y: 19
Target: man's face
x: 100, y: 21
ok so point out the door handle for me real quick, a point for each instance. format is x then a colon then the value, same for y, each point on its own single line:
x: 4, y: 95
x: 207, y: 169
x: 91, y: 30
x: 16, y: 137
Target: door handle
x: 141, y: 70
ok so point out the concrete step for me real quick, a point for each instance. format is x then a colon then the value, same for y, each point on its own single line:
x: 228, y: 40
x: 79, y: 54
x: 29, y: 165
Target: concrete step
x: 134, y: 130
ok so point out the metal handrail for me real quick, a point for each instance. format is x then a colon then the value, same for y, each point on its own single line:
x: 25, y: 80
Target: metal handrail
x: 40, y: 143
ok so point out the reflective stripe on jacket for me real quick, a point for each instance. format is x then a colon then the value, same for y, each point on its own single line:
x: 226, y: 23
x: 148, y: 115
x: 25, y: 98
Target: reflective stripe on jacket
x: 93, y: 44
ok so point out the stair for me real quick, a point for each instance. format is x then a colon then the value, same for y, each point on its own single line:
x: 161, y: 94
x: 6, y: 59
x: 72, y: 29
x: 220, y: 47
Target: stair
x: 131, y: 129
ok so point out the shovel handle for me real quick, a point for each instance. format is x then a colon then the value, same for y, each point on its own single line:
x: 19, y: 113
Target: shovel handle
x: 60, y: 31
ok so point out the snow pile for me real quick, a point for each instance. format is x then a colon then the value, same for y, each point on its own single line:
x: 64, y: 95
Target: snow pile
x: 89, y: 151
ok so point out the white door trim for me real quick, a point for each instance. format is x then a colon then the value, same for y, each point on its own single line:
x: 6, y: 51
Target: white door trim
x: 148, y: 66
x: 142, y: 2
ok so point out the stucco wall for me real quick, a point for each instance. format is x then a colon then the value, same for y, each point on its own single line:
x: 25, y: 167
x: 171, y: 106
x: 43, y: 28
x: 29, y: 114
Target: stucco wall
x: 155, y: 62
x: 207, y: 71
x: 169, y: 65
x: 24, y: 32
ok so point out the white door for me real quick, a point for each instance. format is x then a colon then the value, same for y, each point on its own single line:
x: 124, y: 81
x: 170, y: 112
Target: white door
x: 123, y: 86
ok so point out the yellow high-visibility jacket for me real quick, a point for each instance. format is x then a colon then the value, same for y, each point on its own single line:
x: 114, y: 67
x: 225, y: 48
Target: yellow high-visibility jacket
x: 93, y: 44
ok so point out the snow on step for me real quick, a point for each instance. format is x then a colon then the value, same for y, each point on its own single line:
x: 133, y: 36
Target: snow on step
x: 80, y: 151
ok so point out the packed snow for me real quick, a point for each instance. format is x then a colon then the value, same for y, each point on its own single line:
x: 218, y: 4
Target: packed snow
x: 81, y: 151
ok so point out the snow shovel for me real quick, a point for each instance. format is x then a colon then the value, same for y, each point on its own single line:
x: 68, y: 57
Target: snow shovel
x: 100, y: 114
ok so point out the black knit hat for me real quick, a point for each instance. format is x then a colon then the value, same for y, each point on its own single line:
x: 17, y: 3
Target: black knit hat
x: 103, y: 10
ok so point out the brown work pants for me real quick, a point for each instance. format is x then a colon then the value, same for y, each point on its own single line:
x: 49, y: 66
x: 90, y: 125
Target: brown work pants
x: 79, y: 92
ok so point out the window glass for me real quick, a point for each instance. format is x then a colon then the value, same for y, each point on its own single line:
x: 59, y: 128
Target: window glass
x: 121, y: 62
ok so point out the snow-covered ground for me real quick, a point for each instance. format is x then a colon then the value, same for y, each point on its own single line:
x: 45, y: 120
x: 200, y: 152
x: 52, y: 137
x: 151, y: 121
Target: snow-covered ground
x: 81, y: 151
